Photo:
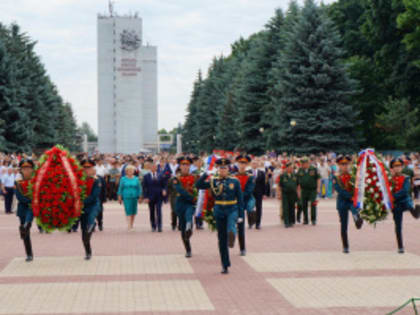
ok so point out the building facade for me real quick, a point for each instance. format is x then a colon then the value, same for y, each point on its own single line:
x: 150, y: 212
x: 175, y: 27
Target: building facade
x: 127, y: 86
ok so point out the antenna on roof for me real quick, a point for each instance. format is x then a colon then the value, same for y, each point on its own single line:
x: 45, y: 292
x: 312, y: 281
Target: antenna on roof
x: 111, y: 7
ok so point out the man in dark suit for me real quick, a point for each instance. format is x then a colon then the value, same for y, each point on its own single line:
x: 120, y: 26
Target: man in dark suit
x: 259, y: 191
x: 154, y: 192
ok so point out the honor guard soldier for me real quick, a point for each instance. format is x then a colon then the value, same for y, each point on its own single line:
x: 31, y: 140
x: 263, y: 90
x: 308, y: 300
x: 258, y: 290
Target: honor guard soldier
x: 228, y: 207
x: 186, y: 200
x: 309, y: 183
x: 91, y: 205
x: 247, y: 186
x: 24, y: 211
x: 287, y: 193
x: 402, y: 199
x: 197, y: 170
x: 345, y: 200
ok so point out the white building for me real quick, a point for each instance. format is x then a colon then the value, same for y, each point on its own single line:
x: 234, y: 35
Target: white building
x: 127, y: 86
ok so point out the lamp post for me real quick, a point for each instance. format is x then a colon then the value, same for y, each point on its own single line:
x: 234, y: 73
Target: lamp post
x: 293, y: 125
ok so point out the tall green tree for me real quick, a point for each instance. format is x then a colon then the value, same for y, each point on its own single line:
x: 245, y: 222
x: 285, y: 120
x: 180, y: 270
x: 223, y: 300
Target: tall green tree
x: 409, y: 22
x: 32, y: 112
x: 314, y: 88
x: 400, y: 124
x: 190, y: 135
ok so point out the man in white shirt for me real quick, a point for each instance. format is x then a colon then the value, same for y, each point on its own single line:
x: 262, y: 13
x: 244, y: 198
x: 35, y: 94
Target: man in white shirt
x: 8, y: 187
x: 324, y: 172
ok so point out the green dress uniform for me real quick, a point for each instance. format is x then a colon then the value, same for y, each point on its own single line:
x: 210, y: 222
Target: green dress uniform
x: 288, y: 183
x: 227, y: 208
x: 91, y: 208
x: 308, y: 182
x: 410, y: 173
x: 172, y: 194
x: 24, y: 211
x: 185, y: 203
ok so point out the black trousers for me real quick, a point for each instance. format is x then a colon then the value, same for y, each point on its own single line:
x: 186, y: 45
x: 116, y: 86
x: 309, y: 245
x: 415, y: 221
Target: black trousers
x: 241, y: 235
x: 112, y: 191
x: 100, y: 217
x: 174, y: 217
x: 398, y: 220
x: 8, y: 199
x: 155, y: 208
x: 258, y: 209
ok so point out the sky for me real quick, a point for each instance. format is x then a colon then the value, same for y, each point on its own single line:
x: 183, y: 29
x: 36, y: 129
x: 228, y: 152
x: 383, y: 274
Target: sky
x: 188, y: 33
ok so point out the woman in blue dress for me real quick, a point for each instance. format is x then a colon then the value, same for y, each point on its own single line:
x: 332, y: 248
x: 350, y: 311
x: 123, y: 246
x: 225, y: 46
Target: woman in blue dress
x: 129, y: 192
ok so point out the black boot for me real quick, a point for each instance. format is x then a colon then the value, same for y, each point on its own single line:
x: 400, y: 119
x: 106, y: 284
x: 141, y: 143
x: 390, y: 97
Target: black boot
x: 22, y: 232
x: 241, y: 239
x: 86, y: 243
x: 415, y: 211
x: 188, y: 231
x: 251, y: 218
x: 400, y: 243
x: 231, y: 239
x: 345, y: 240
x: 27, y: 242
x: 358, y: 221
x: 187, y: 245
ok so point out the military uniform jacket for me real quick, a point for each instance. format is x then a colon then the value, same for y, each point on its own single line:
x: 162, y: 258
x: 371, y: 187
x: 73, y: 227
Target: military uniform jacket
x: 185, y: 188
x: 308, y: 179
x: 401, y: 192
x: 227, y: 193
x: 247, y: 183
x: 288, y: 183
x: 93, y: 191
x: 345, y: 191
x: 24, y: 203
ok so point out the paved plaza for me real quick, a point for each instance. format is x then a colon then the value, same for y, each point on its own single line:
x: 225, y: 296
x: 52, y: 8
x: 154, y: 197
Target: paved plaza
x: 286, y: 271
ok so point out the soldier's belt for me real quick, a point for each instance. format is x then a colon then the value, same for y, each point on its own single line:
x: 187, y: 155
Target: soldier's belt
x: 226, y: 203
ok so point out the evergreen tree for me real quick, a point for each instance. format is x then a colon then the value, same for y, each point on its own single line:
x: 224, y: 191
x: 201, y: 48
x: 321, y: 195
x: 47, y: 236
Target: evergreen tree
x: 33, y: 113
x: 274, y: 120
x: 190, y: 129
x: 314, y: 88
x: 210, y: 104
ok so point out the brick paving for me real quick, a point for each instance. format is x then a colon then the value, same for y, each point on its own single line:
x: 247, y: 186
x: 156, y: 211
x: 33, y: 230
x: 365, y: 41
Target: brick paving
x: 287, y: 271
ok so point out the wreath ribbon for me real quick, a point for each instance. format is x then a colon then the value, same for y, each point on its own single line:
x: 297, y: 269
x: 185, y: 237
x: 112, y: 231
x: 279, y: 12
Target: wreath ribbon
x: 360, y: 185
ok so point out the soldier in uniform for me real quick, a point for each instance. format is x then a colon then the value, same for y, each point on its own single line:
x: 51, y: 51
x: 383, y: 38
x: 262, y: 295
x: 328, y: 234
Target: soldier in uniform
x: 345, y: 200
x: 287, y: 193
x: 197, y: 170
x: 172, y: 195
x: 24, y: 211
x: 402, y: 198
x: 247, y: 182
x: 228, y: 207
x: 409, y: 172
x: 91, y: 205
x: 186, y: 200
x: 309, y: 183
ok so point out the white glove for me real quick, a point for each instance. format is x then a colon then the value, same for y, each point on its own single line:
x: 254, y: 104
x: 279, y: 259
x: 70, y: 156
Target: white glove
x: 240, y: 220
x: 212, y: 172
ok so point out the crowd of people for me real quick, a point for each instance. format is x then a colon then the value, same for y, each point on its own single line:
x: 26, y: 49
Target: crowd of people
x: 183, y: 181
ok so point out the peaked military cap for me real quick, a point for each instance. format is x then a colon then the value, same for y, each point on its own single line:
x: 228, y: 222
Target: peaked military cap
x: 397, y: 162
x: 184, y: 160
x: 243, y: 159
x: 88, y: 163
x: 343, y: 159
x: 26, y: 163
x: 222, y: 162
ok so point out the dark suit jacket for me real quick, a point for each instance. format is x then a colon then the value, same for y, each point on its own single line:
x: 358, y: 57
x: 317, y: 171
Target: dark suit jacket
x: 152, y: 188
x: 260, y: 187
